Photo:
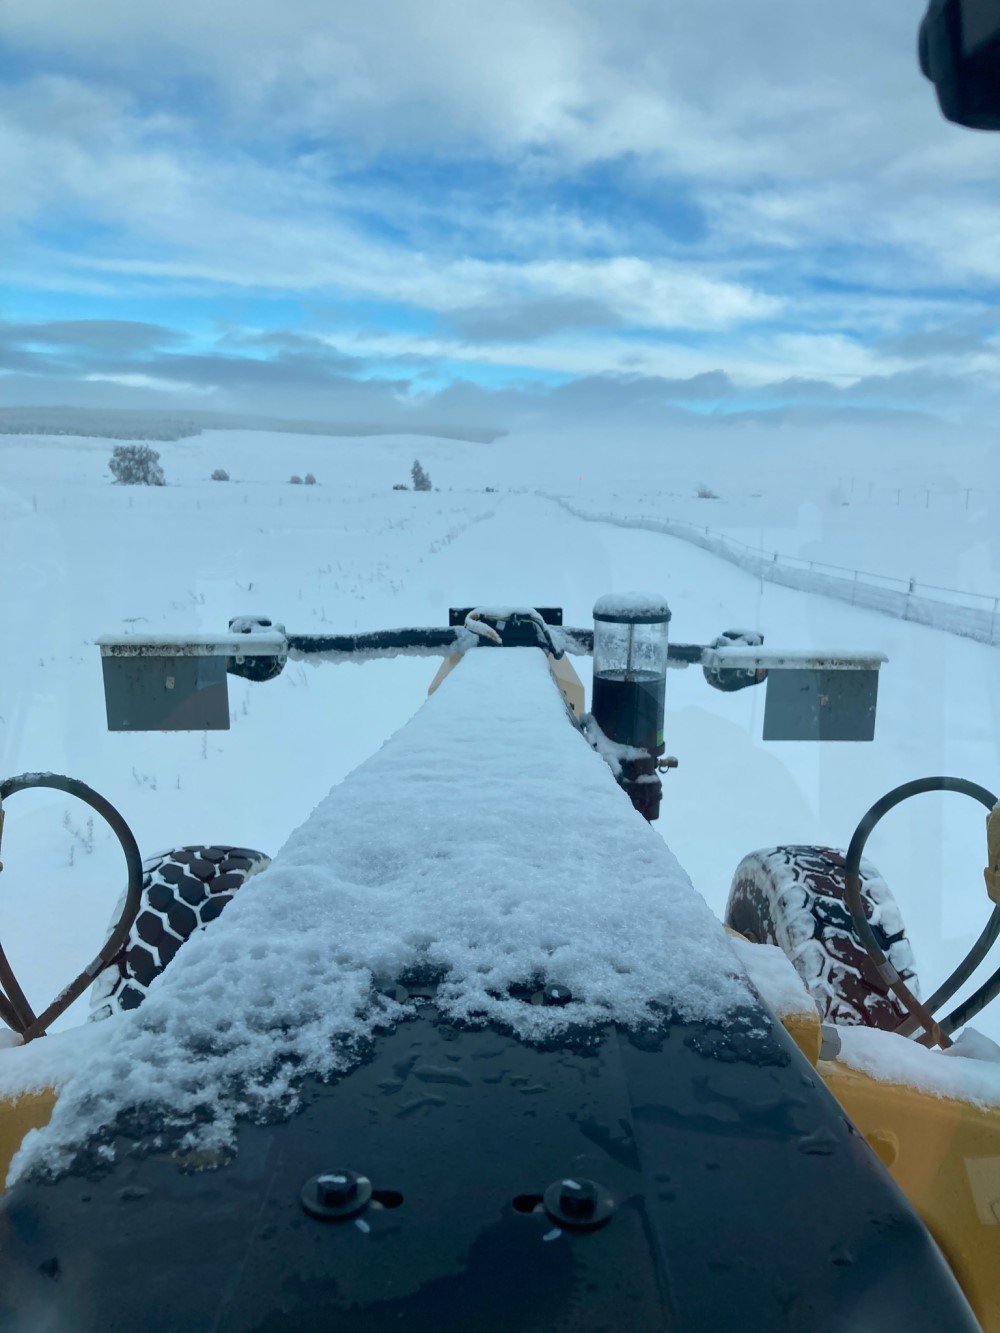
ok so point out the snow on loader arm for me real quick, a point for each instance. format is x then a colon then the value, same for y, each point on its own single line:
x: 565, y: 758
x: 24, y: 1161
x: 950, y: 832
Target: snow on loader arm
x: 489, y: 1064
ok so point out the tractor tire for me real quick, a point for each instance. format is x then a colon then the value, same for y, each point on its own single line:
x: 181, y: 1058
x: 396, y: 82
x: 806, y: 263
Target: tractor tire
x: 794, y: 897
x: 182, y: 891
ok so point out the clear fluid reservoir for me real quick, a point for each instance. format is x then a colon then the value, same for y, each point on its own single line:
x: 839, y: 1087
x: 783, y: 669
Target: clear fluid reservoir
x: 630, y: 668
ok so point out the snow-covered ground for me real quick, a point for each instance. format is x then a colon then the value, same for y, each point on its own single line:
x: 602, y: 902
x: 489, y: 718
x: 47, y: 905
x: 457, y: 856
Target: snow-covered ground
x: 971, y: 614
x: 81, y: 557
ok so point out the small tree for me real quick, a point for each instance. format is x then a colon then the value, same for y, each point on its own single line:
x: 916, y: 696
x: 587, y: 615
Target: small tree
x: 136, y: 465
x: 400, y: 486
x: 309, y: 479
x: 295, y: 479
x: 704, y: 492
x: 421, y: 481
x: 220, y: 474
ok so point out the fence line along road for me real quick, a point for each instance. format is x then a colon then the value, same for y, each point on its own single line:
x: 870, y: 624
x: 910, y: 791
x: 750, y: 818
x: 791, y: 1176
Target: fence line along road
x: 971, y: 615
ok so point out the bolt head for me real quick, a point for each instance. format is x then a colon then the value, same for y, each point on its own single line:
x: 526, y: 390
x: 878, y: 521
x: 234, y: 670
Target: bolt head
x: 578, y: 1204
x: 578, y: 1198
x: 335, y: 1188
x: 557, y: 994
x: 336, y: 1194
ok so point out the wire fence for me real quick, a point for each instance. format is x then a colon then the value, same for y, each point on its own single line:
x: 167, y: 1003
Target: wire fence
x: 968, y: 499
x: 971, y: 615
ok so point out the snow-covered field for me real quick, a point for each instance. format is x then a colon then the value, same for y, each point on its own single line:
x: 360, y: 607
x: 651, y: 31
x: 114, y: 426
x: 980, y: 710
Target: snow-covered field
x: 81, y: 557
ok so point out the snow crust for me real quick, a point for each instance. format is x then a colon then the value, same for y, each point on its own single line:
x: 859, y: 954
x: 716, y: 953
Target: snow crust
x: 969, y: 1072
x: 485, y: 845
x: 612, y: 752
x: 816, y: 658
x: 50, y: 1061
x: 632, y: 604
x: 266, y: 643
x: 974, y: 1045
x: 463, y: 641
x: 774, y: 977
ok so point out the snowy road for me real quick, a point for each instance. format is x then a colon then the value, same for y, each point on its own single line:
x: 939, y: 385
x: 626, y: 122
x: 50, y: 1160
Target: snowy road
x: 82, y: 558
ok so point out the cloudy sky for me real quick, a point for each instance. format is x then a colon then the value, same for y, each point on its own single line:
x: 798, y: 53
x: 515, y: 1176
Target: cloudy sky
x: 318, y: 207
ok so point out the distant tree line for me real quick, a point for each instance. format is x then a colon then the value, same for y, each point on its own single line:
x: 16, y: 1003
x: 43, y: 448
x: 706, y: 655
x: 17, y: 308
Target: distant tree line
x: 131, y: 423
x: 90, y: 422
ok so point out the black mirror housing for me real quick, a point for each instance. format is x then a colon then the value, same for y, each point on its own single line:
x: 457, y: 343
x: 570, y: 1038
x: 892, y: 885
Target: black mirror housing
x: 960, y: 54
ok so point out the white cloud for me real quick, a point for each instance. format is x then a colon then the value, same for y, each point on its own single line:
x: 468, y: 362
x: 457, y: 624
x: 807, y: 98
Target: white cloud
x: 158, y: 383
x: 226, y: 146
x: 760, y: 86
x: 179, y: 214
x: 751, y: 362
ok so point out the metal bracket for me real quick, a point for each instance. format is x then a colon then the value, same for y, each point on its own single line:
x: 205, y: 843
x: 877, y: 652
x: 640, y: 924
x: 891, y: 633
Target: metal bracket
x: 176, y: 682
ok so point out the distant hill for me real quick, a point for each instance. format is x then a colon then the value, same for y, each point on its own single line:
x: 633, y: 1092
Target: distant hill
x: 132, y: 424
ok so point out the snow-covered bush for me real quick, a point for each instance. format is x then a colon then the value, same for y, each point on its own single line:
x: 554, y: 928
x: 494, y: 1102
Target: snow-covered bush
x: 136, y: 465
x: 309, y: 479
x: 220, y: 474
x: 421, y: 481
x: 400, y: 486
x: 295, y: 479
x: 704, y: 492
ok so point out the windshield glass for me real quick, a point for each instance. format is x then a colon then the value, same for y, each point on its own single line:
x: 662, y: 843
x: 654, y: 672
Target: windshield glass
x: 321, y: 321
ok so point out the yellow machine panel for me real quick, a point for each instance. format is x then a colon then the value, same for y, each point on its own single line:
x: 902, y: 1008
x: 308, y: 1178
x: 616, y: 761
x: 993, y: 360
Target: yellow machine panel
x: 806, y: 1031
x: 30, y: 1110
x: 945, y: 1156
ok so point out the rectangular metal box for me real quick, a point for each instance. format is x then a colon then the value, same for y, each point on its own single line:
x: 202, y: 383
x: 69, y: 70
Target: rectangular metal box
x: 166, y: 693
x: 815, y: 704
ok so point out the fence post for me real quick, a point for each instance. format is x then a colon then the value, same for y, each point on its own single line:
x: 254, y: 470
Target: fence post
x: 909, y: 594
